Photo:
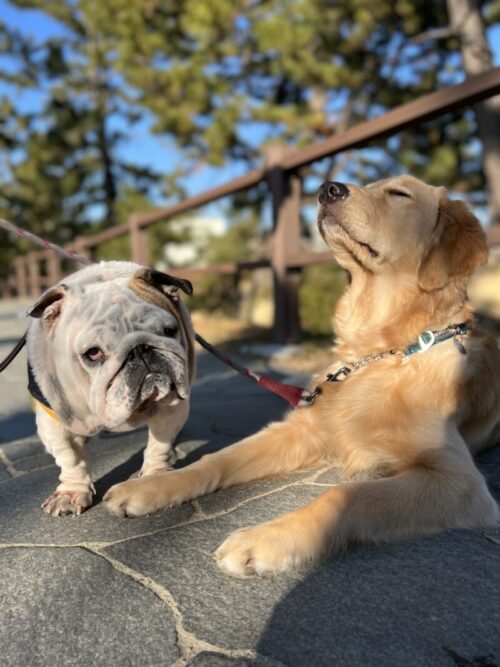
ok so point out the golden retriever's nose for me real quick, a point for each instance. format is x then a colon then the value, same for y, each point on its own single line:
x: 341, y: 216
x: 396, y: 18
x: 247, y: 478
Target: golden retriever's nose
x: 332, y: 191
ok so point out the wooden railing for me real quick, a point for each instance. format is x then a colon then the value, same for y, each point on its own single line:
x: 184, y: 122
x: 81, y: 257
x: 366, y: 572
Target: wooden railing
x: 26, y: 278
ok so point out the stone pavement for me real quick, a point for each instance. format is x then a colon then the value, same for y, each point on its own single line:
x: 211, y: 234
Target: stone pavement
x: 101, y: 591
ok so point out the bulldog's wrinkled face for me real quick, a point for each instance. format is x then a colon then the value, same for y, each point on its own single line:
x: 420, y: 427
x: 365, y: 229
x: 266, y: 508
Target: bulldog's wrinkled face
x: 110, y: 356
x: 385, y: 224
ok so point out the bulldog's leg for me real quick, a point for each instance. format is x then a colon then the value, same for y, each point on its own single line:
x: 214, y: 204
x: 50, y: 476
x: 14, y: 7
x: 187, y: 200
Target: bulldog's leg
x: 442, y: 490
x: 74, y: 493
x: 278, y: 449
x: 164, y: 427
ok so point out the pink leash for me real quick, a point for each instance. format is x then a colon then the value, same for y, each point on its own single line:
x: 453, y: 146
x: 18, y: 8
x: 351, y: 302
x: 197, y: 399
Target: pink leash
x: 294, y: 396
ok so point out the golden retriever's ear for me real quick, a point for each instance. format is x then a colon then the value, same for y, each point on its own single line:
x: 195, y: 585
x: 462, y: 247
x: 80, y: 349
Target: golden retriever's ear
x: 457, y: 246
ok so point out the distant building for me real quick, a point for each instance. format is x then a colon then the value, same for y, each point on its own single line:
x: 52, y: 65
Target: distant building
x: 195, y: 233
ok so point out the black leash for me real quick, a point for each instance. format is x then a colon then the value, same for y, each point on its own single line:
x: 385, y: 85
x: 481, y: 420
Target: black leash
x: 13, y: 353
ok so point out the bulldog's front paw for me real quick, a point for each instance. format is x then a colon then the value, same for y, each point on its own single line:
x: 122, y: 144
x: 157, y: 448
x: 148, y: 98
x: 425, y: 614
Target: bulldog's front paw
x: 63, y: 503
x: 137, y: 497
x: 154, y: 470
x: 266, y: 549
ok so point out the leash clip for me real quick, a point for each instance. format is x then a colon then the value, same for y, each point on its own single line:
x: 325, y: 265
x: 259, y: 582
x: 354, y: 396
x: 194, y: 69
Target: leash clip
x: 308, y: 398
x: 339, y: 375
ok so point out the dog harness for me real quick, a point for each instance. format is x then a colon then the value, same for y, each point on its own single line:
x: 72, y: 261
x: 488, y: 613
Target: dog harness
x: 37, y: 394
x: 425, y: 341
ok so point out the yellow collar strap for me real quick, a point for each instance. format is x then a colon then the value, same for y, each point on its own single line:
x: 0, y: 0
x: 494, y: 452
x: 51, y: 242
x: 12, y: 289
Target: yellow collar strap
x: 49, y: 411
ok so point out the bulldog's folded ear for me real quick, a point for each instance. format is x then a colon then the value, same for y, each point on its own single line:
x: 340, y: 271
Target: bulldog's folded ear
x: 49, y: 305
x: 167, y: 284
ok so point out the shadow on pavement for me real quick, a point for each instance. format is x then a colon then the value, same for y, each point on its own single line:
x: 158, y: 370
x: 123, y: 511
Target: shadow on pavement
x: 17, y: 425
x: 121, y: 473
x: 432, y: 601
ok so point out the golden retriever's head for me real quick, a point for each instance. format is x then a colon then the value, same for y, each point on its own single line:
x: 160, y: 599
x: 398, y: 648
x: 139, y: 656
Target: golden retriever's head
x: 401, y: 226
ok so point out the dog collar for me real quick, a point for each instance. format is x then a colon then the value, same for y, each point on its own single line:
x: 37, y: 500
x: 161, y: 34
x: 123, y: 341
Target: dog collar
x: 37, y: 394
x: 424, y: 342
x: 428, y: 339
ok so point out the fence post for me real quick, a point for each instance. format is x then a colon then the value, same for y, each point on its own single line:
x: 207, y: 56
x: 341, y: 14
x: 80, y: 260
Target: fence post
x: 21, y: 278
x: 5, y: 290
x: 54, y: 273
x: 139, y: 240
x: 81, y: 247
x: 286, y: 198
x: 34, y: 275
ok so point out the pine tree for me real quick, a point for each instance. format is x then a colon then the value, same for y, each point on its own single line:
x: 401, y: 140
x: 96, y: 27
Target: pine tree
x: 224, y: 76
x: 65, y: 178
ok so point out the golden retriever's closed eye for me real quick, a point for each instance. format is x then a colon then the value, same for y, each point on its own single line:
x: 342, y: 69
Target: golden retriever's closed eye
x: 423, y: 393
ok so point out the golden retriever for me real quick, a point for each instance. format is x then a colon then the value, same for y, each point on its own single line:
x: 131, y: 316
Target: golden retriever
x: 409, y: 251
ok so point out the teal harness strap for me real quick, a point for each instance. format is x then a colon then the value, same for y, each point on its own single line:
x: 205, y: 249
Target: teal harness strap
x: 430, y: 338
x: 426, y: 340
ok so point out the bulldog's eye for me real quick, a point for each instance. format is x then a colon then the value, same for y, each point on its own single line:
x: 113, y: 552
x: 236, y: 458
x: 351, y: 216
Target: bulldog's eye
x: 94, y: 354
x: 398, y: 193
x: 169, y: 332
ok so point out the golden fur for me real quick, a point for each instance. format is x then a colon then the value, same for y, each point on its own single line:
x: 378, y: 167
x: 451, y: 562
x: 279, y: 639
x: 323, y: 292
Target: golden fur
x: 410, y: 251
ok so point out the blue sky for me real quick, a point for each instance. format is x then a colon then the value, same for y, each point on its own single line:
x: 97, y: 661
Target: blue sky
x: 143, y: 147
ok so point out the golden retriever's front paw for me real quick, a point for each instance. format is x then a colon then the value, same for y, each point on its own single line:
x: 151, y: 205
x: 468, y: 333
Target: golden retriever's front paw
x: 138, y: 497
x: 269, y: 548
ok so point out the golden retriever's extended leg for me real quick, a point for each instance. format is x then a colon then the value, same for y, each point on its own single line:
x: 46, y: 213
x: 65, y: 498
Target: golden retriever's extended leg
x: 280, y: 448
x: 443, y: 490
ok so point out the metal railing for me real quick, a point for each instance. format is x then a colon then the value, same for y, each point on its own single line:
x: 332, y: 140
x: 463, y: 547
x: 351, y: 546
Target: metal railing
x: 26, y: 278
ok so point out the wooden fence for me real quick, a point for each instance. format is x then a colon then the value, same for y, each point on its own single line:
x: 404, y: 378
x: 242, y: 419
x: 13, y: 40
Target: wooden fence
x: 26, y: 277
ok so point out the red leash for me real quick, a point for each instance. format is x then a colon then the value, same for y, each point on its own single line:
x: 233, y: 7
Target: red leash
x: 294, y: 396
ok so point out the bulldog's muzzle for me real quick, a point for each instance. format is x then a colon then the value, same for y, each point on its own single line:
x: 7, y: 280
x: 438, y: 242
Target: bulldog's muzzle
x: 147, y: 370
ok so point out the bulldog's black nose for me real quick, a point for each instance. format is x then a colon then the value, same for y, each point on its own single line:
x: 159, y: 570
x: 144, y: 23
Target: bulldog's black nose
x: 331, y: 191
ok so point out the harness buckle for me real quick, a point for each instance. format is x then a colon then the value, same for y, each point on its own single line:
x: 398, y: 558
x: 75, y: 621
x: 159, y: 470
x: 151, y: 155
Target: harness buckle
x: 425, y: 341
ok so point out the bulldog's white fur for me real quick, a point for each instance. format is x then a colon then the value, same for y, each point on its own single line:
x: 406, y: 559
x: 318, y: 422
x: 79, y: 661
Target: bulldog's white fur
x: 111, y: 347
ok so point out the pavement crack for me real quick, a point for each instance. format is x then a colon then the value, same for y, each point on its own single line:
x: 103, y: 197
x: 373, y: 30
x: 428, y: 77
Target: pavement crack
x: 198, y: 511
x: 189, y: 645
x: 91, y: 546
x: 199, y: 517
x: 8, y: 464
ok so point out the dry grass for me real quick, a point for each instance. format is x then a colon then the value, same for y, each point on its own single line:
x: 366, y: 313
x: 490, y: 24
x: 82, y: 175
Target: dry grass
x: 484, y: 290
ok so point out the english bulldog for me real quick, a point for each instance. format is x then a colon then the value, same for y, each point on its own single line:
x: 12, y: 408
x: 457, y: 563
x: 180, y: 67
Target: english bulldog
x: 110, y: 347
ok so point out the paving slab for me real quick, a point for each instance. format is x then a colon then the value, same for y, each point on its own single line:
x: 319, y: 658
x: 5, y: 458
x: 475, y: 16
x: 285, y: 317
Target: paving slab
x: 210, y: 659
x: 227, y: 499
x: 23, y: 521
x: 22, y: 448
x: 227, y: 612
x: 4, y: 475
x: 35, y: 462
x: 412, y: 603
x: 71, y: 607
